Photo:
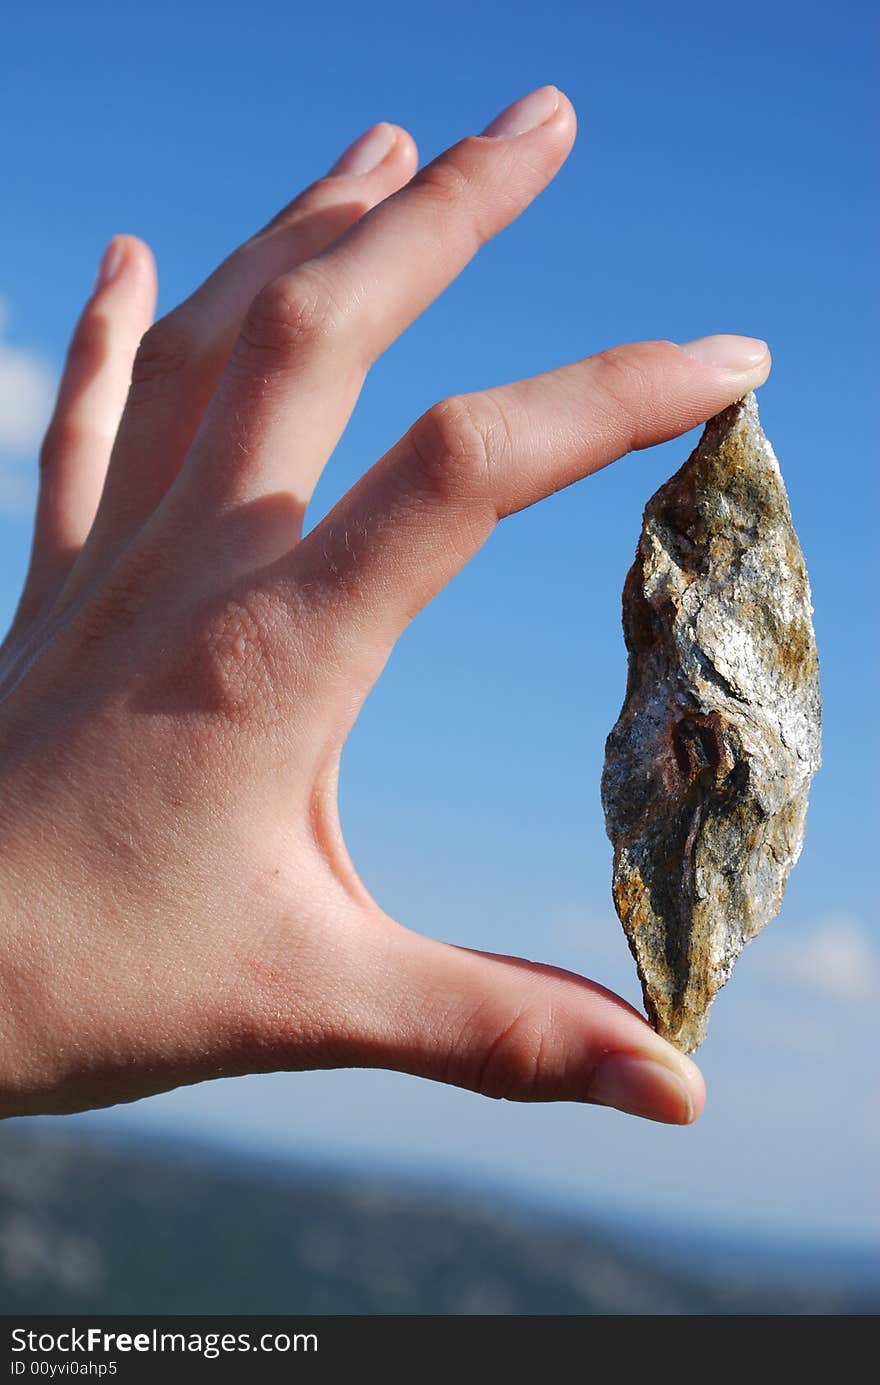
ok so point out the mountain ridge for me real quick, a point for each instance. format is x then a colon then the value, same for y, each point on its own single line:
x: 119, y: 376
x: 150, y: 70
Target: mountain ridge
x: 95, y: 1225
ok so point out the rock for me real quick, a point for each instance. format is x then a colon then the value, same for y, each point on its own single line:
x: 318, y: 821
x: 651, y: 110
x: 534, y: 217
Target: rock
x: 708, y: 768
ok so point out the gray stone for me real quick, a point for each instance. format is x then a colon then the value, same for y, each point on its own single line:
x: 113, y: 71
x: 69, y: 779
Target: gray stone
x: 708, y: 768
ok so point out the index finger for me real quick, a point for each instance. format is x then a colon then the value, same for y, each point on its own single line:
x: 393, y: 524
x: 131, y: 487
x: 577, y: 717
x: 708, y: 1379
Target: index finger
x: 310, y: 336
x: 392, y: 266
x: 422, y: 511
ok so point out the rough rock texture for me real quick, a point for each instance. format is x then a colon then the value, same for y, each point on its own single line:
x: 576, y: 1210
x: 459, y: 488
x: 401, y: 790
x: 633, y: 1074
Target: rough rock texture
x: 708, y: 768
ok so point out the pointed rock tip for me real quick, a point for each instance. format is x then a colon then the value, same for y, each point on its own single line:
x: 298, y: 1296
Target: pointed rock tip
x: 742, y: 412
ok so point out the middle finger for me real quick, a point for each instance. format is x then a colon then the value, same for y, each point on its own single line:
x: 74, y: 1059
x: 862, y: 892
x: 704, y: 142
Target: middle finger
x: 309, y: 338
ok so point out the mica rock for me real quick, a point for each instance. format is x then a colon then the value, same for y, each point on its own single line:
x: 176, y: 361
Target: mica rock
x: 708, y: 768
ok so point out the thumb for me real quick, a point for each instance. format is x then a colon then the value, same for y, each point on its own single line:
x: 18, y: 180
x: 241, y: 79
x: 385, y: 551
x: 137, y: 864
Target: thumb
x: 515, y: 1029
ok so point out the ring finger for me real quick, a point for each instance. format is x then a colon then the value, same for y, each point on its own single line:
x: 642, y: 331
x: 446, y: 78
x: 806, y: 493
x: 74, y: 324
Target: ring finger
x: 182, y: 356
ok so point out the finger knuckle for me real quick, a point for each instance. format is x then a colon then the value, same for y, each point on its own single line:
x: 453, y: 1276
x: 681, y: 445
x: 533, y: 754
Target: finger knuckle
x: 445, y: 181
x: 290, y: 317
x: 162, y: 358
x: 452, y: 445
x: 56, y: 443
x: 59, y: 440
x: 517, y: 1064
x: 450, y: 188
x: 625, y: 384
x: 68, y: 437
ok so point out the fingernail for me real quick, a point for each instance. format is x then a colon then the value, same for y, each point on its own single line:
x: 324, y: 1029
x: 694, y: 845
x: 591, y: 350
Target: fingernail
x: 641, y: 1087
x: 740, y: 354
x: 525, y: 114
x: 367, y: 152
x: 109, y: 266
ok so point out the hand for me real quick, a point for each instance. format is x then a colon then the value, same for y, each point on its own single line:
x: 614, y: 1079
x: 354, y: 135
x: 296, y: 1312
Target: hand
x: 182, y: 672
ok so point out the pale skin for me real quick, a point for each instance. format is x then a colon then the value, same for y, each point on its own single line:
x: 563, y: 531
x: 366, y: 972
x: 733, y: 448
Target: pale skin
x: 183, y: 669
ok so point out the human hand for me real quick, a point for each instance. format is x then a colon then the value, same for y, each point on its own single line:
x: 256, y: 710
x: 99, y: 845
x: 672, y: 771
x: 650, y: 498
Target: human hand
x: 183, y: 670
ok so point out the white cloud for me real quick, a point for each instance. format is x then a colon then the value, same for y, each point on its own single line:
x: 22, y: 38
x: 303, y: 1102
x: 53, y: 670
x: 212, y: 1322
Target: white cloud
x: 27, y: 388
x: 838, y: 959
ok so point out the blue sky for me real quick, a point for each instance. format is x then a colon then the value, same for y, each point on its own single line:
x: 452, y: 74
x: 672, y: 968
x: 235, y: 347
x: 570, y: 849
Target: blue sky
x: 720, y: 182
